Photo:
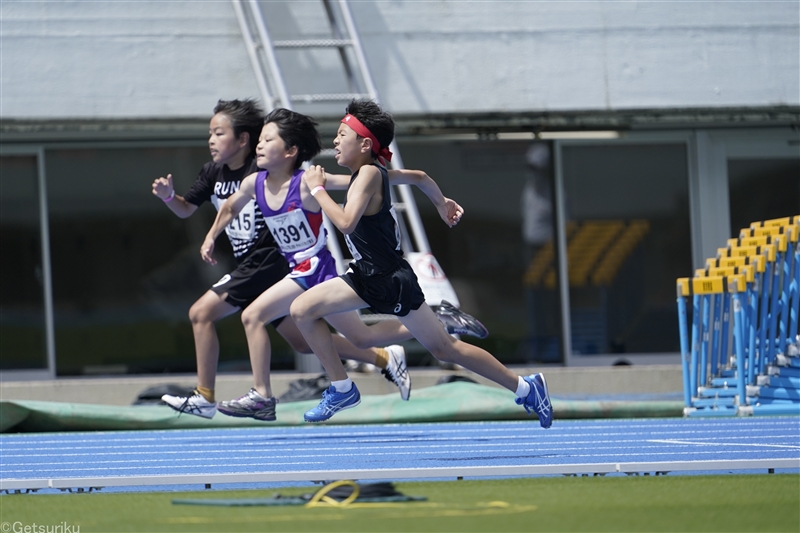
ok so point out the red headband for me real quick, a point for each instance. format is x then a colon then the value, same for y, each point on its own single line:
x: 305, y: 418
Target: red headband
x: 384, y: 154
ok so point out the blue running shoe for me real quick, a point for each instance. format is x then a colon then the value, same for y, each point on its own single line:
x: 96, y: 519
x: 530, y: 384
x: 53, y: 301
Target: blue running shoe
x: 538, y: 400
x: 333, y: 402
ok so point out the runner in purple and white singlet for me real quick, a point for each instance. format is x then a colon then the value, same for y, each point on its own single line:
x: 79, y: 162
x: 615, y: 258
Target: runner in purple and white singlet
x: 299, y: 234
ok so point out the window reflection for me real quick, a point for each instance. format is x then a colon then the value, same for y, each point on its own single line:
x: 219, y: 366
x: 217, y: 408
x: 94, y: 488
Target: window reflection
x: 22, y: 325
x: 125, y: 269
x: 762, y: 189
x: 628, y: 239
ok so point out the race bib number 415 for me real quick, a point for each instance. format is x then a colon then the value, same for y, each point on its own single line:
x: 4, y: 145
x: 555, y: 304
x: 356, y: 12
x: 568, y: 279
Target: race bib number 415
x: 243, y: 226
x: 291, y: 230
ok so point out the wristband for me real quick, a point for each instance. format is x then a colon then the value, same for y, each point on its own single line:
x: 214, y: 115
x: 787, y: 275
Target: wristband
x: 316, y: 189
x: 170, y: 197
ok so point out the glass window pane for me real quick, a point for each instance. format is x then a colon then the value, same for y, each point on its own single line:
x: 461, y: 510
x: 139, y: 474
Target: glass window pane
x: 125, y: 269
x: 762, y: 189
x: 486, y: 256
x: 628, y: 241
x: 22, y: 325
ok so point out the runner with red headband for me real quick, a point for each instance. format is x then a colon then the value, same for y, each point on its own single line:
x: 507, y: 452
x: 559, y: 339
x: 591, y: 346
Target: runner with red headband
x: 384, y: 155
x: 379, y: 278
x: 294, y: 218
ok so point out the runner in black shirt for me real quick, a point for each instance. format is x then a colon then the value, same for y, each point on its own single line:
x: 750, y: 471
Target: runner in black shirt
x: 380, y: 278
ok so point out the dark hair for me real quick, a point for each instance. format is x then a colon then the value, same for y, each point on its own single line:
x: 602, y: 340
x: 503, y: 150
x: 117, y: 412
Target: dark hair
x: 377, y: 121
x: 245, y: 116
x: 296, y: 130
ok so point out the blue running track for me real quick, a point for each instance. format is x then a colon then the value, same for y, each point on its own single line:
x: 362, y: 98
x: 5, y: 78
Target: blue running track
x: 195, y: 458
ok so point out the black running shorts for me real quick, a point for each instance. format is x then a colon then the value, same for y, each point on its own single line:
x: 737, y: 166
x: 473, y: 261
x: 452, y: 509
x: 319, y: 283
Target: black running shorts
x: 394, y: 293
x: 256, y: 273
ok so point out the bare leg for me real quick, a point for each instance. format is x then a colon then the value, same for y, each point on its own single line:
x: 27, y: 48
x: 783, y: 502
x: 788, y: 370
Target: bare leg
x: 328, y: 298
x: 203, y: 314
x: 275, y: 302
x: 361, y: 335
x: 271, y: 305
x: 346, y: 349
x: 426, y: 328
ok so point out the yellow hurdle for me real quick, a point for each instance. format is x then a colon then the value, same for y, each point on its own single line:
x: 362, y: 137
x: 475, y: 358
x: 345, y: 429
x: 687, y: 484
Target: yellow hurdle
x: 747, y: 251
x: 759, y: 261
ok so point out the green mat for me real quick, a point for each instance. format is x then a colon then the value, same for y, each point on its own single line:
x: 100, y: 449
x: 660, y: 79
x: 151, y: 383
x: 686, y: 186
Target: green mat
x: 451, y: 402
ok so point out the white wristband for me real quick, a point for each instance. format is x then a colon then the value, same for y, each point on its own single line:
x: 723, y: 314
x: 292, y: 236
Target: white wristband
x: 170, y: 197
x: 316, y: 189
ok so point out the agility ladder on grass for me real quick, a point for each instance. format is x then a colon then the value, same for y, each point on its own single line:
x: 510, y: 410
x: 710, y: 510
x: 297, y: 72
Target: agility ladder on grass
x: 742, y: 356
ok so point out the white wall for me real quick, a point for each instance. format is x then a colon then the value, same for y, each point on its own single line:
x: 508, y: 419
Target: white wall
x: 157, y: 59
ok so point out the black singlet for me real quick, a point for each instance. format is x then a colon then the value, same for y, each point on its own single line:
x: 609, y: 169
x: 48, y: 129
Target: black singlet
x: 375, y: 242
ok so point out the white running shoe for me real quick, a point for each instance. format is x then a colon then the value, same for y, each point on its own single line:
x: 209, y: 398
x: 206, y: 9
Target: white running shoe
x: 195, y: 404
x: 396, y: 371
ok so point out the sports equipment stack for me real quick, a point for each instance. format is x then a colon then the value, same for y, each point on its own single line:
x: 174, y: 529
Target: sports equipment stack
x: 739, y: 342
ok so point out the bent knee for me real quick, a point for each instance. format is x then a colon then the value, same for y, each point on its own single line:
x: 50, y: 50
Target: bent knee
x: 299, y: 311
x: 199, y: 313
x: 249, y: 318
x: 209, y: 309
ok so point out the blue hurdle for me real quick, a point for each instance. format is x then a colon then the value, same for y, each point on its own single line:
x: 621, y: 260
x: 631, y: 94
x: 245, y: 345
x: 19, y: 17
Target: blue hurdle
x: 745, y: 361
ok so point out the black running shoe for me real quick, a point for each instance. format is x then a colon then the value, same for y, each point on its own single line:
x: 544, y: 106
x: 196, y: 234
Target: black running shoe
x: 457, y: 322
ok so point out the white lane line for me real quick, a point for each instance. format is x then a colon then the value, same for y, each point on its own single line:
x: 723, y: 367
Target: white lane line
x: 360, y: 458
x: 485, y: 447
x: 339, y: 445
x: 304, y: 434
x: 355, y: 452
x: 702, y: 443
x: 539, y: 436
x: 398, y: 473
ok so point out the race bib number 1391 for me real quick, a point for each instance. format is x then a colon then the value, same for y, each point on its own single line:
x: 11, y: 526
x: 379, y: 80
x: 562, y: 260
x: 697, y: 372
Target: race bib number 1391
x: 291, y: 230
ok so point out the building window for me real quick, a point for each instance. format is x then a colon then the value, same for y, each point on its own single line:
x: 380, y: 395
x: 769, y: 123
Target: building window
x: 22, y: 320
x: 762, y: 189
x: 125, y: 268
x: 628, y: 240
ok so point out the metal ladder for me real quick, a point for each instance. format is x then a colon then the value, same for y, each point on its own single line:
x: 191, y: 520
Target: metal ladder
x: 344, y: 37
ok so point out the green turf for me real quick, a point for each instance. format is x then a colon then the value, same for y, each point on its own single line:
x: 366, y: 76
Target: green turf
x: 725, y: 503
